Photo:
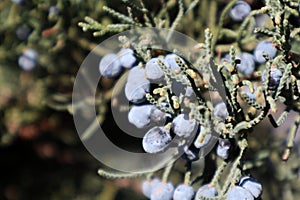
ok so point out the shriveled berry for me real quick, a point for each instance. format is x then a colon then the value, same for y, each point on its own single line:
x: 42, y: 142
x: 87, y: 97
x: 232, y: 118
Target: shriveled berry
x: 162, y: 191
x: 183, y: 192
x: 240, y: 11
x: 252, y: 185
x: 206, y: 191
x: 183, y: 126
x: 239, y: 193
x: 156, y: 139
x: 110, y: 66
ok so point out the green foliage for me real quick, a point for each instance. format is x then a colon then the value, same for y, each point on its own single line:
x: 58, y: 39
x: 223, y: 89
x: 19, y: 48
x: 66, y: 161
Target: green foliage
x: 245, y: 113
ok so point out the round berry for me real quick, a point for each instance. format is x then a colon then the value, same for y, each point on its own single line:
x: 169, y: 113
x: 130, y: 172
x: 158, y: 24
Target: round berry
x: 28, y: 60
x: 220, y: 110
x: 23, y: 32
x: 249, y: 94
x: 18, y: 1
x: 198, y: 144
x: 137, y: 85
x: 223, y: 148
x: 140, y: 115
x: 162, y: 191
x: 275, y: 76
x: 110, y: 66
x: 240, y: 11
x: 252, y: 185
x: 156, y: 139
x: 190, y: 94
x: 148, y: 186
x: 206, y: 191
x: 264, y: 47
x: 157, y: 116
x: 170, y: 61
x: 136, y: 90
x: 127, y: 58
x: 183, y: 192
x: 183, y: 126
x: 239, y: 193
x: 153, y: 70
x: 177, y: 88
x: 53, y: 12
x: 247, y: 65
x: 136, y: 73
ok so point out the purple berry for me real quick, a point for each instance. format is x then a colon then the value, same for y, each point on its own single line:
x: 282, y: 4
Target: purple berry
x: 249, y: 94
x: 206, y: 191
x: 23, y: 32
x: 170, y: 61
x: 18, y: 1
x: 153, y: 70
x: 136, y: 73
x: 156, y: 139
x: 205, y: 141
x: 190, y: 94
x: 110, y: 66
x: 264, y: 47
x: 157, y: 116
x: 247, y: 64
x: 148, y: 186
x: 183, y: 192
x: 239, y: 193
x: 162, y: 191
x: 240, y: 11
x: 183, y: 126
x: 252, y: 185
x: 223, y: 148
x: 28, y: 60
x: 275, y: 76
x: 220, y: 110
x: 140, y: 115
x: 127, y: 58
x: 137, y: 85
x: 53, y: 12
x: 136, y: 91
